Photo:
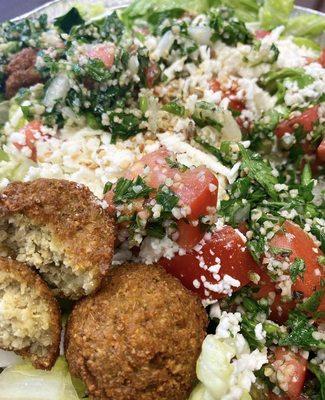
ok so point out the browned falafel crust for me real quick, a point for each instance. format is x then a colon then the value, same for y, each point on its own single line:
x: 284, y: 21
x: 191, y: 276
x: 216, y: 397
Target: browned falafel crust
x: 21, y: 71
x: 138, y: 338
x: 21, y: 274
x: 73, y: 215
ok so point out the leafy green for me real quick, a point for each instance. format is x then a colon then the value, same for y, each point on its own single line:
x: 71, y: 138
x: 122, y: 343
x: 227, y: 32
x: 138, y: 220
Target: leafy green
x: 255, y: 312
x: 174, y: 108
x: 271, y: 80
x: 228, y: 28
x: 67, y: 21
x: 301, y: 334
x: 259, y: 171
x: 209, y: 148
x: 319, y: 232
x: 312, y: 303
x: 142, y: 9
x: 307, y: 25
x: 167, y: 199
x: 107, y: 187
x: 174, y: 164
x: 204, y: 115
x: 275, y: 12
x: 126, y: 190
x: 302, y: 41
x: 25, y: 32
x: 108, y: 28
x: 297, y: 268
x: 315, y: 369
x: 123, y: 125
x: 245, y: 10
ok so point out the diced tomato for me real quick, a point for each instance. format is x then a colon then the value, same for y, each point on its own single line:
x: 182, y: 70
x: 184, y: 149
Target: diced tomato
x: 302, y: 246
x: 188, y: 235
x: 197, y: 188
x: 261, y: 33
x: 307, y: 120
x: 29, y: 131
x: 152, y: 74
x: 158, y: 168
x: 322, y: 58
x: 291, y: 368
x: 279, y: 308
x: 201, y: 270
x: 104, y: 52
x: 234, y: 103
x: 294, y: 238
x: 321, y: 152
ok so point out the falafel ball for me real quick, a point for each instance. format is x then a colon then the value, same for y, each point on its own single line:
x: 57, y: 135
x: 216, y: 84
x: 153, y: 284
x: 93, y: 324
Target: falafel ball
x: 21, y: 71
x: 138, y: 338
x: 60, y: 228
x: 30, y: 322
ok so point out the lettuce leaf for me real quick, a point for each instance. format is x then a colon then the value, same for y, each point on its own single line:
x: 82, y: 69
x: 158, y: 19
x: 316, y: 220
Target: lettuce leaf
x: 306, y: 42
x: 307, y: 25
x: 275, y: 13
x: 245, y: 10
x: 141, y: 9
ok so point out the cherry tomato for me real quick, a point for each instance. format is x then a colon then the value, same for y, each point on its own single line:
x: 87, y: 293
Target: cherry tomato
x: 188, y: 235
x: 30, y: 130
x: 307, y: 120
x: 291, y: 367
x: 104, y: 52
x: 203, y: 269
x: 261, y: 33
x: 321, y: 152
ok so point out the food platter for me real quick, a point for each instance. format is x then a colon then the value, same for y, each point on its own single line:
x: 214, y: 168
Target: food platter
x: 161, y: 176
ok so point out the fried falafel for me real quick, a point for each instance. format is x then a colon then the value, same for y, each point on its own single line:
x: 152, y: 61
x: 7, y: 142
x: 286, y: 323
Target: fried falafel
x: 30, y: 322
x: 21, y: 71
x: 60, y: 228
x: 138, y: 338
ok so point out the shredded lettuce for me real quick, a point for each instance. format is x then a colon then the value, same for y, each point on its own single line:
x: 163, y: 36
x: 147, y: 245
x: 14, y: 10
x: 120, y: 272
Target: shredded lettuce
x: 275, y: 13
x: 307, y: 25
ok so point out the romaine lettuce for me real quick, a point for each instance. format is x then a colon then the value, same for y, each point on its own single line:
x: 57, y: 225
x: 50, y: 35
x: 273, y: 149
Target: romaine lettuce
x: 275, y: 13
x: 307, y: 25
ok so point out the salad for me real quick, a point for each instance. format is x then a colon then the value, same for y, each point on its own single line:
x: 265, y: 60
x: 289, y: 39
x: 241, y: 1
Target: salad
x: 200, y: 127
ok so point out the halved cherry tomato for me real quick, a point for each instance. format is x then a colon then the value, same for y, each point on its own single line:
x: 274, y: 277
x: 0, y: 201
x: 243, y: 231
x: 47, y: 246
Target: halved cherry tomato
x: 188, y: 235
x: 261, y: 33
x: 307, y: 120
x: 104, y: 52
x: 321, y: 151
x: 203, y: 269
x: 197, y: 188
x: 291, y: 370
x: 30, y: 130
